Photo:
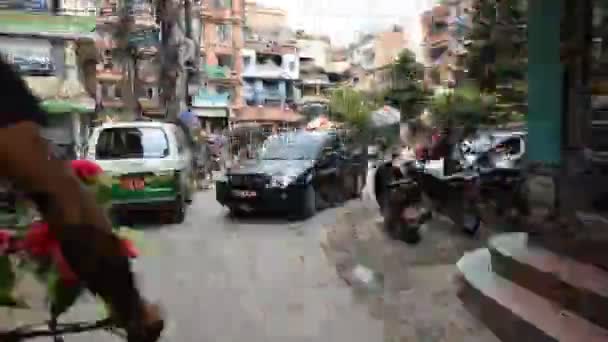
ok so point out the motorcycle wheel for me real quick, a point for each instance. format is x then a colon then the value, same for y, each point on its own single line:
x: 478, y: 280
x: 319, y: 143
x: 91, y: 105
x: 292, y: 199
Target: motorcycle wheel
x: 471, y: 224
x: 410, y: 234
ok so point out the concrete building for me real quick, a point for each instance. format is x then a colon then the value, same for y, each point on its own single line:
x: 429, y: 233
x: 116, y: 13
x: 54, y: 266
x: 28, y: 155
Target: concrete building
x: 222, y: 42
x: 56, y: 57
x: 443, y: 32
x: 372, y: 56
x: 316, y: 49
x: 112, y: 79
x: 270, y: 70
x: 262, y: 19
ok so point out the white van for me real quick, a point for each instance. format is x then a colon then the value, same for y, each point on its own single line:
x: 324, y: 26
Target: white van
x: 150, y: 164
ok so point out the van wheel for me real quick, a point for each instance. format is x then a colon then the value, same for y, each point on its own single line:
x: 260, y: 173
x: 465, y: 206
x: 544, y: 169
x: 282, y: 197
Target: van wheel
x: 179, y: 211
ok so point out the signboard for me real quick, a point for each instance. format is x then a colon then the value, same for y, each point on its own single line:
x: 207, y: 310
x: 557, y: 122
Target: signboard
x: 143, y: 38
x: 25, y: 5
x: 207, y: 99
x: 30, y: 56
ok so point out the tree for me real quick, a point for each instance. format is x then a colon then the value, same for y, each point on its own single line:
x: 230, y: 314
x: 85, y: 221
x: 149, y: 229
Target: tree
x: 352, y: 107
x: 497, y: 56
x: 407, y: 93
x: 464, y: 107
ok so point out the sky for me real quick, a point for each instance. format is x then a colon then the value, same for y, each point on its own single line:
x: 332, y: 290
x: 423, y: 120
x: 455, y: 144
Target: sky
x: 342, y: 19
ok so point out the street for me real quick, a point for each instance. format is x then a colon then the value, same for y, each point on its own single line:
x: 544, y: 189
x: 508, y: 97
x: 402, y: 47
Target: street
x: 254, y: 279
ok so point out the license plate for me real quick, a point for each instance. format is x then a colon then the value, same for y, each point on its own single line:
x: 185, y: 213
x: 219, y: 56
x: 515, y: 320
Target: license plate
x: 244, y: 193
x: 132, y: 184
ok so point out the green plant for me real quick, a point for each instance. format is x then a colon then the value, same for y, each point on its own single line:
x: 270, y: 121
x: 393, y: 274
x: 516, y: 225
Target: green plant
x: 351, y: 106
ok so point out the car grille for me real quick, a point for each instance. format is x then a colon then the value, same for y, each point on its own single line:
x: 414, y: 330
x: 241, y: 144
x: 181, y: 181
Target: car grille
x: 249, y: 181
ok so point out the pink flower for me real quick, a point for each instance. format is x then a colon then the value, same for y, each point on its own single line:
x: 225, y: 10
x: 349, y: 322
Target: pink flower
x: 86, y: 170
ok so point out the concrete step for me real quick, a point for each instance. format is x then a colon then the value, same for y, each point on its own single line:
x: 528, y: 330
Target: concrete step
x: 513, y: 312
x: 578, y: 287
x: 585, y: 249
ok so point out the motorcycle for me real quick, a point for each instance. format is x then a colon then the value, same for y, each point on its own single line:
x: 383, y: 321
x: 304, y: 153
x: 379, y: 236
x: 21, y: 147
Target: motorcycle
x: 412, y: 193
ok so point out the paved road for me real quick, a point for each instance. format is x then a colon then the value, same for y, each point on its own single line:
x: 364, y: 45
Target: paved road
x: 254, y: 279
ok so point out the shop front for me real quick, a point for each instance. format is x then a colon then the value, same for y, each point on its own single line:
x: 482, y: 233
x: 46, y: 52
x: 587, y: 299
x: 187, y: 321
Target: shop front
x: 212, y: 109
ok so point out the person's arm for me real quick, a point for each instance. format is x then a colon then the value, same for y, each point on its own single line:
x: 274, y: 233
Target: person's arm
x: 83, y: 230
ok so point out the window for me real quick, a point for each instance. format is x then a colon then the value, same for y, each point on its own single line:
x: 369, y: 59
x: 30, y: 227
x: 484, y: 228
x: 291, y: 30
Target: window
x: 510, y: 146
x: 132, y: 143
x: 224, y: 60
x: 150, y: 93
x: 292, y: 66
x: 224, y: 32
x: 222, y: 3
x: 246, y: 61
x: 105, y: 90
x: 117, y: 92
x: 271, y: 85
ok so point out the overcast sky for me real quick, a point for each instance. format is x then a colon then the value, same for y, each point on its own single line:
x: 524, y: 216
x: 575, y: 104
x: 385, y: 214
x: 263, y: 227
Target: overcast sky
x: 341, y: 19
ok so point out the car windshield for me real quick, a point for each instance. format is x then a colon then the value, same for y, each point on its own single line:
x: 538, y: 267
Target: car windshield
x: 132, y: 143
x: 291, y: 147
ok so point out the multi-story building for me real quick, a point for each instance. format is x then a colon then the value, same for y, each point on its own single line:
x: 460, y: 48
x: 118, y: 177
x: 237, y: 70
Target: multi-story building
x: 55, y: 56
x: 113, y: 75
x: 443, y: 31
x: 372, y: 57
x: 222, y: 41
x: 270, y: 70
x: 265, y: 22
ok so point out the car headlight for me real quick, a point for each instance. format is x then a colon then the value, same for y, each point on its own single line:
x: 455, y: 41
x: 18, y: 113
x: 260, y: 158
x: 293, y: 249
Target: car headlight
x: 281, y: 181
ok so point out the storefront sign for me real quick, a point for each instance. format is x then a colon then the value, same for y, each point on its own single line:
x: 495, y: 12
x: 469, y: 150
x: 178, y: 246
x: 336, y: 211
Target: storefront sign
x: 25, y: 5
x: 143, y: 38
x: 30, y: 56
x: 208, y: 99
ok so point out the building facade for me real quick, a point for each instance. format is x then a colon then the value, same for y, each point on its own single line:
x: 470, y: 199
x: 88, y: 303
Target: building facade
x: 443, y: 41
x: 270, y: 72
x: 56, y: 57
x: 119, y: 94
x: 222, y: 42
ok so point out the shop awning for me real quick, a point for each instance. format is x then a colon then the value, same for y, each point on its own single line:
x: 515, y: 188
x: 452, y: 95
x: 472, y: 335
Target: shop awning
x: 57, y: 106
x: 211, y: 112
x: 273, y: 114
x: 43, y: 24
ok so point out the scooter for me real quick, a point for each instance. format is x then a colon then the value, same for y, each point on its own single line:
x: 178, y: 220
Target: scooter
x: 412, y: 194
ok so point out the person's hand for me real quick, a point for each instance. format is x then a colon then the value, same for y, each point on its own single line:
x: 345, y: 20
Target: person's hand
x: 149, y: 325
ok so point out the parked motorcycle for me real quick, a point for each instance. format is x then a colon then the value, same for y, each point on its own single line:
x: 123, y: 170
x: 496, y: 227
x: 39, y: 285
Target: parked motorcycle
x: 409, y: 194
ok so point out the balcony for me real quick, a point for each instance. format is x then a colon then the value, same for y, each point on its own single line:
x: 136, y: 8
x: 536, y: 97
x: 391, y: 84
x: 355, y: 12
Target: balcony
x: 205, y: 98
x: 220, y: 73
x: 107, y: 72
x: 107, y: 14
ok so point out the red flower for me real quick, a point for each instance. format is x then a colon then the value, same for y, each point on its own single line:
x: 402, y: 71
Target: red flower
x: 129, y: 249
x: 86, y: 169
x: 40, y: 242
x: 6, y: 237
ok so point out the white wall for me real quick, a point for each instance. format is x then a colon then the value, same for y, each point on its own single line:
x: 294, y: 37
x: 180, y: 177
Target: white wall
x: 319, y: 50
